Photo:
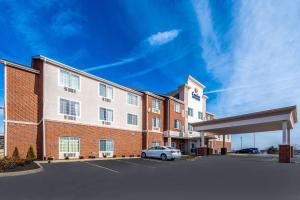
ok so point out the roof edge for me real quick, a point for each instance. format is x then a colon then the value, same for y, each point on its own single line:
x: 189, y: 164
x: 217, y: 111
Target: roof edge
x: 19, y: 66
x: 57, y: 63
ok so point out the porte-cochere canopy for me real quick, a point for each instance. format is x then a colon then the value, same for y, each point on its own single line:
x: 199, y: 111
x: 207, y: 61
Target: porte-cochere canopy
x: 268, y: 120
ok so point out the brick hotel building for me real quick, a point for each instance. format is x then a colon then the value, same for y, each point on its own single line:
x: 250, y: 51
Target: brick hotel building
x: 64, y: 112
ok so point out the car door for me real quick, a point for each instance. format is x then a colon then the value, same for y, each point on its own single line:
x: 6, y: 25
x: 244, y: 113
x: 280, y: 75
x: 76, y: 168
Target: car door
x: 156, y: 152
x: 149, y: 152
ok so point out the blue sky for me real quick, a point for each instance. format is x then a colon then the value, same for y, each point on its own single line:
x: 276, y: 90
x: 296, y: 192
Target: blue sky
x: 245, y: 52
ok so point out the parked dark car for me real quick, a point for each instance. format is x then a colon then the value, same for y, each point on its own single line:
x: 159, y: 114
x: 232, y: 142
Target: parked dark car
x: 248, y: 151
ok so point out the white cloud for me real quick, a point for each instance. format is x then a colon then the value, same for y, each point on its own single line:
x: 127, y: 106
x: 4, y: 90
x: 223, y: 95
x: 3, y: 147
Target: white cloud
x: 262, y: 68
x: 161, y: 38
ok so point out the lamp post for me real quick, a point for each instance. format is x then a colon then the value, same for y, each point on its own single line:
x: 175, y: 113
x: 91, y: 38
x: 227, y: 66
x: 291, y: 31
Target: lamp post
x: 241, y: 142
x: 254, y: 139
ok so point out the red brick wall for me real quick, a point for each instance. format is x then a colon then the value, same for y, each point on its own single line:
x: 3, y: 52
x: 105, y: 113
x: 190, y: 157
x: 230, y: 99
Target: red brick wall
x: 217, y: 145
x: 22, y: 95
x: 21, y: 136
x: 22, y: 105
x: 150, y: 137
x: 175, y: 116
x: 151, y: 114
x: 125, y: 142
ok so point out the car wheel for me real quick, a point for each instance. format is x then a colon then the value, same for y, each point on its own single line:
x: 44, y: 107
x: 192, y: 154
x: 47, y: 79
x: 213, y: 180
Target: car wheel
x: 163, y: 157
x: 143, y: 155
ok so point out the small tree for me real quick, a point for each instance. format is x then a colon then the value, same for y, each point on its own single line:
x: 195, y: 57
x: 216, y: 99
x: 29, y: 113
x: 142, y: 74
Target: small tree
x: 30, y: 153
x: 16, y: 153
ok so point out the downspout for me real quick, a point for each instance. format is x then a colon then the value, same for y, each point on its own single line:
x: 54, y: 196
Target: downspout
x: 5, y: 109
x: 146, y: 121
x: 43, y: 118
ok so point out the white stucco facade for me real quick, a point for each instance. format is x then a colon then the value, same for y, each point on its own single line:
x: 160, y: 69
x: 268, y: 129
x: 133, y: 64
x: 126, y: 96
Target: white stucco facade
x: 89, y: 100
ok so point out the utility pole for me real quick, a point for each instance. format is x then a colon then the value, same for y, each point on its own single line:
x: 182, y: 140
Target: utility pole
x: 241, y: 142
x: 254, y: 139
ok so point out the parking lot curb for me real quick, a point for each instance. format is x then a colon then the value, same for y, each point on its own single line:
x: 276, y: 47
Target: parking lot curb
x: 84, y: 160
x: 25, y: 172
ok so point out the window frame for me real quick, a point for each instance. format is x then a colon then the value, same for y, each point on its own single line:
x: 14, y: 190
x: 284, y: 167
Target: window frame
x: 179, y: 107
x: 112, y: 142
x: 177, y: 120
x: 59, y: 77
x: 59, y: 144
x: 156, y: 123
x: 106, y: 86
x: 192, y: 113
x: 200, y: 115
x: 68, y: 99
x: 190, y: 125
x: 137, y: 99
x: 113, y: 114
x: 137, y: 119
x: 155, y: 108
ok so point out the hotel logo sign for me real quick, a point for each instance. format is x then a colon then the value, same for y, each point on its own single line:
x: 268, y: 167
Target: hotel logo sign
x: 195, y: 94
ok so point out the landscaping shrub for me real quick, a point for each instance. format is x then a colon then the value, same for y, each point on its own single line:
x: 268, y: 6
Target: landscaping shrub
x: 67, y: 158
x: 11, y: 163
x: 81, y: 157
x: 30, y: 153
x: 16, y: 153
x: 92, y: 156
x: 272, y: 150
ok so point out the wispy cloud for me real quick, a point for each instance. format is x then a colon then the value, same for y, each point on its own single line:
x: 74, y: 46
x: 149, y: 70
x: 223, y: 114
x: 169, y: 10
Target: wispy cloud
x: 145, y: 47
x: 67, y: 23
x: 260, y: 70
x: 161, y: 38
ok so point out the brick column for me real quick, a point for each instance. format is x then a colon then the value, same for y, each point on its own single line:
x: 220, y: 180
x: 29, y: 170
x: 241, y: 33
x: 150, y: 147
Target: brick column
x: 284, y: 153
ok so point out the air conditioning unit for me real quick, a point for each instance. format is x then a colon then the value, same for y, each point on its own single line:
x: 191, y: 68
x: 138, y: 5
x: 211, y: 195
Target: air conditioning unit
x: 106, y: 123
x: 155, y: 128
x: 69, y: 155
x: 107, y: 154
x: 156, y: 110
x: 70, y: 90
x: 68, y: 117
x: 106, y: 99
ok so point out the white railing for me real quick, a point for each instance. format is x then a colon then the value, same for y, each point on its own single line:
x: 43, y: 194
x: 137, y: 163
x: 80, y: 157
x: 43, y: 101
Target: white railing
x: 177, y: 134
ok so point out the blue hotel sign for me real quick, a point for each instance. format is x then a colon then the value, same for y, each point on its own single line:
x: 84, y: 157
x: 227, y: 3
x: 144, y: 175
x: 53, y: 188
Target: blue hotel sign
x: 195, y: 95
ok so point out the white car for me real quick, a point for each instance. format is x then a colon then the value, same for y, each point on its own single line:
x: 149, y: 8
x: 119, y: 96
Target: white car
x: 162, y: 152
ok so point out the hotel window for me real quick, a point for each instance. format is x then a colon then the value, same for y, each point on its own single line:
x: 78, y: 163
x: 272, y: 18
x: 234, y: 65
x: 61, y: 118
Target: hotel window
x: 106, y: 114
x: 68, y: 79
x: 132, y: 119
x: 132, y: 99
x: 155, y: 123
x: 190, y: 112
x: 67, y: 107
x: 106, y: 145
x: 155, y: 105
x: 200, y: 115
x: 106, y: 91
x: 190, y: 127
x: 69, y: 145
x: 177, y: 124
x: 177, y: 107
x: 155, y: 144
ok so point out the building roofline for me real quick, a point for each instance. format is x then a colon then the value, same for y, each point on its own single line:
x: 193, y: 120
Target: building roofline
x: 195, y: 81
x: 49, y: 60
x: 19, y: 66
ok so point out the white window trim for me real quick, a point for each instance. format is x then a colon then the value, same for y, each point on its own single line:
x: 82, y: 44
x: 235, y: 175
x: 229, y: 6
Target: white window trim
x: 175, y: 103
x: 137, y: 120
x: 107, y: 139
x: 153, y: 109
x: 155, y: 126
x: 132, y: 104
x: 62, y: 152
x: 192, y: 112
x: 60, y: 85
x: 113, y: 91
x: 58, y: 107
x: 175, y: 124
x: 112, y: 122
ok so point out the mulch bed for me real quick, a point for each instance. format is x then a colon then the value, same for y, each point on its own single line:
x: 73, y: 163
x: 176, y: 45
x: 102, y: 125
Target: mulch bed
x: 30, y: 166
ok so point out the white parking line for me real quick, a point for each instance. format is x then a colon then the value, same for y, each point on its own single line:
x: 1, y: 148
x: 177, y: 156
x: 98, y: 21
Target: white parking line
x: 102, y: 167
x: 136, y: 164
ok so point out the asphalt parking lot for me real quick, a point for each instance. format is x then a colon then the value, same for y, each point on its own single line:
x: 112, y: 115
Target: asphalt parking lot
x: 214, y: 177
